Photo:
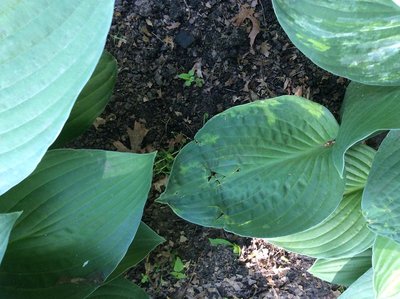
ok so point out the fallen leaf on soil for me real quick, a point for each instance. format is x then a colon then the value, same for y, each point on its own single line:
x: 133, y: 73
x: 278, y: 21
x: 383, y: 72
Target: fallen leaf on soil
x: 121, y: 147
x: 169, y: 41
x: 160, y: 183
x: 197, y: 69
x: 298, y: 91
x: 145, y: 31
x: 174, y: 25
x: 136, y: 136
x: 248, y: 13
x: 98, y: 122
x: 149, y: 22
x: 264, y: 49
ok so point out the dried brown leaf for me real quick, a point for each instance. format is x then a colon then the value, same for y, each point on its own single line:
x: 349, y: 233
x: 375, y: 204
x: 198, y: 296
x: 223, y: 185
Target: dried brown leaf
x: 121, y: 147
x: 136, y: 136
x: 169, y: 41
x: 99, y: 122
x: 255, y: 30
x: 161, y: 183
x: 173, y: 25
x: 248, y: 13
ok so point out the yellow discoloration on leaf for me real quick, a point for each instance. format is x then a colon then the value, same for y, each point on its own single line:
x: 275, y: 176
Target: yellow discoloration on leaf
x: 209, y: 139
x: 317, y: 45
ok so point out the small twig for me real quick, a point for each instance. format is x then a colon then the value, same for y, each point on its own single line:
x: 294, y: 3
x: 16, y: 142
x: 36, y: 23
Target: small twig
x: 187, y: 9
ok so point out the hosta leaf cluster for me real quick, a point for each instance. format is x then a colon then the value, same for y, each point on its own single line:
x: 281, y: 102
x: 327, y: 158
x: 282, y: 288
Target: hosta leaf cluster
x: 68, y: 218
x: 283, y: 169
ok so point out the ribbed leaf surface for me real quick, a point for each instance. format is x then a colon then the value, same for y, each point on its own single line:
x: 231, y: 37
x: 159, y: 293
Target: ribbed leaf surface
x: 366, y: 109
x: 263, y: 169
x: 91, y: 101
x: 342, y: 271
x: 356, y: 39
x: 343, y: 233
x: 6, y: 224
x: 386, y: 264
x: 81, y: 210
x: 48, y: 50
x: 381, y: 199
x: 362, y: 288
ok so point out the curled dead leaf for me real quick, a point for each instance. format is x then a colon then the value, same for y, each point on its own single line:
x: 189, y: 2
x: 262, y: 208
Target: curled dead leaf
x: 248, y: 13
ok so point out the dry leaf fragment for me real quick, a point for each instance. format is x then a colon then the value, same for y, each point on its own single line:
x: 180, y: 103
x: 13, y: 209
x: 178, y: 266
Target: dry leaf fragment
x: 149, y: 22
x: 121, y: 147
x: 160, y: 183
x: 248, y: 13
x: 264, y: 49
x: 173, y: 25
x: 136, y: 136
x: 144, y: 30
x: 298, y: 91
x: 98, y: 122
x: 169, y: 41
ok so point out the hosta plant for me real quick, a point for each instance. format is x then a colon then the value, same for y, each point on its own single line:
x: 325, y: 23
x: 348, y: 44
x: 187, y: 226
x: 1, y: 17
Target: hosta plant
x: 70, y: 219
x: 285, y: 170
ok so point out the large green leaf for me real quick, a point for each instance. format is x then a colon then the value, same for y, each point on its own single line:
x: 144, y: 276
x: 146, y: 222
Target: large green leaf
x: 91, y: 101
x: 48, y: 50
x: 381, y: 198
x: 263, y: 169
x: 386, y: 264
x: 356, y: 39
x: 81, y: 210
x: 6, y: 224
x: 362, y: 288
x: 344, y: 232
x: 342, y: 271
x: 367, y: 109
x: 119, y: 288
x: 145, y: 241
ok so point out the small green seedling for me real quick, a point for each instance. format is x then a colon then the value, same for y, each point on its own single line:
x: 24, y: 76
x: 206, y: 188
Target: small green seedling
x: 235, y: 248
x: 191, y: 78
x: 144, y: 279
x: 179, y: 269
x: 164, y: 161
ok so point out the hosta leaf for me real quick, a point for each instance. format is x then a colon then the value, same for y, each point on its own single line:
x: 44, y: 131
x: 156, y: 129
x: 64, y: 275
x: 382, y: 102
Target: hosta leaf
x: 367, y: 109
x: 342, y: 271
x: 381, y: 198
x: 91, y: 101
x: 356, y: 39
x: 119, y: 288
x: 263, y: 169
x: 81, y: 210
x: 6, y: 224
x: 362, y: 288
x: 344, y: 232
x: 48, y: 50
x: 386, y: 264
x: 145, y: 241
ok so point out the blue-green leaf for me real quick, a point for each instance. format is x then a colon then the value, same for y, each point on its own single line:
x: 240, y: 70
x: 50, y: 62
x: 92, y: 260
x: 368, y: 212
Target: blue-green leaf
x: 344, y: 232
x: 381, y: 198
x: 91, y: 101
x: 119, y: 288
x: 81, y: 210
x: 48, y: 51
x: 263, y: 169
x: 366, y: 110
x: 342, y: 271
x: 356, y: 39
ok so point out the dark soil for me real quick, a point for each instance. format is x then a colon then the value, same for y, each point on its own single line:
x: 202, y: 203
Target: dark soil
x: 156, y: 40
